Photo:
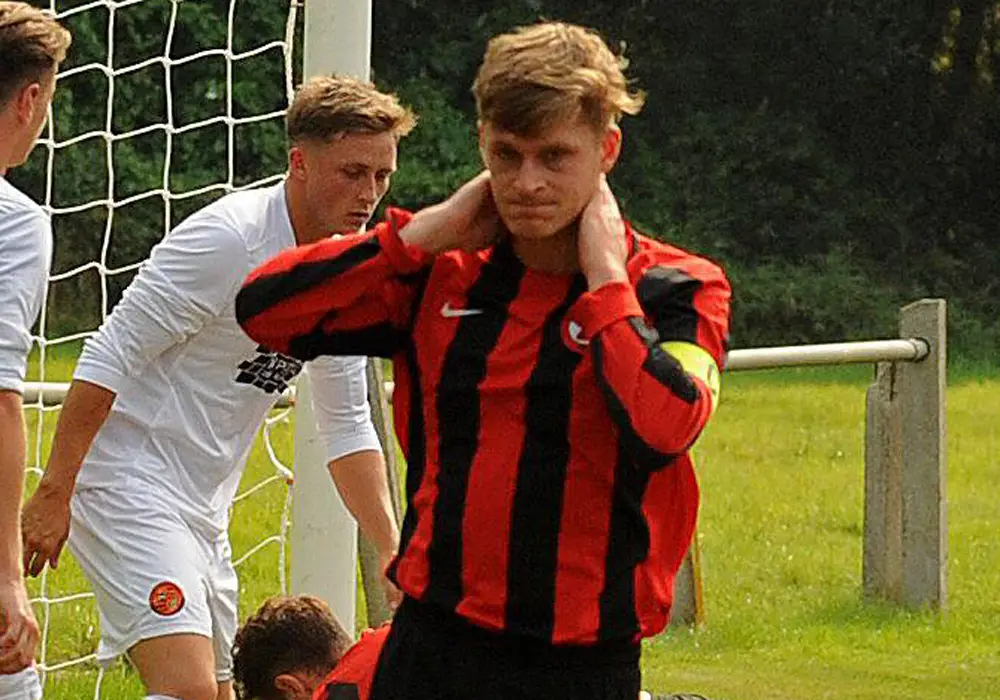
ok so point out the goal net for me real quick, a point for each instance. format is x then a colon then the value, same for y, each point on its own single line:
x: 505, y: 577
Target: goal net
x: 161, y: 107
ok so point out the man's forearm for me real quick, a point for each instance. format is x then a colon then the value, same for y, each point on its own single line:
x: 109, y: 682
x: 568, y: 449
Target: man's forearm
x: 12, y: 452
x: 362, y: 482
x: 83, y: 413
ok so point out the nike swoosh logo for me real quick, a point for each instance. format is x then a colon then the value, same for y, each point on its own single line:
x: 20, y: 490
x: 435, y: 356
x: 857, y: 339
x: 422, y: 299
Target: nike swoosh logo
x: 448, y: 311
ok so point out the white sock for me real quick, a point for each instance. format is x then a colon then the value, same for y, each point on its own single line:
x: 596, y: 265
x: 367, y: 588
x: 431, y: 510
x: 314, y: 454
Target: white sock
x: 161, y: 697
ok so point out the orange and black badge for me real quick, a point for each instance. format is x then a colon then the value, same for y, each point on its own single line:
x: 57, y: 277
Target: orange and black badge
x: 166, y: 598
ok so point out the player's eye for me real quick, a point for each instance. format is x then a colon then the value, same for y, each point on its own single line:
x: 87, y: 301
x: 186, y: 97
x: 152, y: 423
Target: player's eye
x: 506, y: 154
x: 555, y: 158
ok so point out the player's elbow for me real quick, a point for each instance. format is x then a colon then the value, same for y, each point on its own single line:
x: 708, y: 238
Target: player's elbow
x: 251, y: 315
x: 654, y: 431
x: 673, y: 426
x: 248, y: 308
x: 10, y: 407
x: 681, y: 433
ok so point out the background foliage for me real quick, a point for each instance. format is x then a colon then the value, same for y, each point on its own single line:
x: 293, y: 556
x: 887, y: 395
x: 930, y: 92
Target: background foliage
x: 839, y: 157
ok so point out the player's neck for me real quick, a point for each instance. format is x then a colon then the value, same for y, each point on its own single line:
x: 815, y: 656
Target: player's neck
x: 6, y: 148
x: 556, y: 254
x: 11, y: 141
x: 302, y: 226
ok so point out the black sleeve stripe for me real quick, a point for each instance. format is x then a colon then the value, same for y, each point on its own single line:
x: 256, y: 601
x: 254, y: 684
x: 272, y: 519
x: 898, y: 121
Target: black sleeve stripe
x: 662, y: 366
x: 270, y: 290
x: 667, y: 294
x: 379, y: 340
x: 642, y: 453
x: 382, y: 340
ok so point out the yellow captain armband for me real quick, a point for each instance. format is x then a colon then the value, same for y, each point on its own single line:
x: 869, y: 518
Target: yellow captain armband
x: 698, y: 362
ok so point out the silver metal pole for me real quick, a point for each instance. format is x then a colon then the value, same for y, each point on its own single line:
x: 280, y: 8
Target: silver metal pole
x: 870, y: 351
x: 906, y: 349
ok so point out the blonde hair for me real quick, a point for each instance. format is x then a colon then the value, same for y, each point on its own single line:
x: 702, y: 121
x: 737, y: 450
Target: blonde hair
x: 331, y: 105
x: 551, y: 72
x: 32, y: 44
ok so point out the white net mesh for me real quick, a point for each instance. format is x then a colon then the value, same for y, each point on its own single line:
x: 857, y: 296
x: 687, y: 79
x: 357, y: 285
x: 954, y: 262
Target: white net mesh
x: 162, y: 106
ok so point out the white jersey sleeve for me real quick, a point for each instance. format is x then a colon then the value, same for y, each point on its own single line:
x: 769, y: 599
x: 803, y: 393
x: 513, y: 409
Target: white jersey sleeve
x: 25, y: 256
x: 340, y: 402
x: 191, y: 277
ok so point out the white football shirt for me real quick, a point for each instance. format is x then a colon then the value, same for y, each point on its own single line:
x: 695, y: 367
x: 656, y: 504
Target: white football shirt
x: 192, y: 389
x: 25, y: 255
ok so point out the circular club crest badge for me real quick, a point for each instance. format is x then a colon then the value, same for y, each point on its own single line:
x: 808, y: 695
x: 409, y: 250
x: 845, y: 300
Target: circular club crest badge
x: 166, y: 598
x: 573, y: 337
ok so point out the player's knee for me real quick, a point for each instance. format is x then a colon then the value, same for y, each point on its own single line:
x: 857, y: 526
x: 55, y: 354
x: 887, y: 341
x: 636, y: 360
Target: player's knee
x: 226, y: 691
x: 188, y: 688
x: 187, y: 684
x: 180, y: 666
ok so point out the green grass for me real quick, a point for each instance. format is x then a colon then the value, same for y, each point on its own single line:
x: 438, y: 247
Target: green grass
x: 781, y: 469
x: 59, y: 362
x: 782, y: 478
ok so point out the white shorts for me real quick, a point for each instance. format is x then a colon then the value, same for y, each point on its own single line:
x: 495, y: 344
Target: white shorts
x: 152, y: 574
x: 23, y: 685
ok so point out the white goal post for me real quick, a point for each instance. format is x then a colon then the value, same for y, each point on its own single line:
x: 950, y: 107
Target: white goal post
x: 324, y: 535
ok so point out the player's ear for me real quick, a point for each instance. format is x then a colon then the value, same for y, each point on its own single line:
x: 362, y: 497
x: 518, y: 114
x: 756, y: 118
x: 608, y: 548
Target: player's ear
x: 297, y: 163
x: 481, y: 129
x: 290, y: 686
x: 611, y: 147
x: 29, y: 100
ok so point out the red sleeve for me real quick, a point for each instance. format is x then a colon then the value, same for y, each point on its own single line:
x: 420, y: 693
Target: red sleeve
x: 355, y: 670
x: 659, y: 408
x: 351, y: 295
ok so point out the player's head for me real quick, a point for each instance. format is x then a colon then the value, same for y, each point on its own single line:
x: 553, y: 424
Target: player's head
x: 342, y: 136
x: 32, y: 45
x: 549, y: 97
x: 285, y: 649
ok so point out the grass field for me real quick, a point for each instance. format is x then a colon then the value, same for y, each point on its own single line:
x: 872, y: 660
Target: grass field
x: 780, y: 537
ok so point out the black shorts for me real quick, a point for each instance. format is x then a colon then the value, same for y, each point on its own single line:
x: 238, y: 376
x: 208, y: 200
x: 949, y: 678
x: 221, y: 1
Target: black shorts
x: 432, y: 654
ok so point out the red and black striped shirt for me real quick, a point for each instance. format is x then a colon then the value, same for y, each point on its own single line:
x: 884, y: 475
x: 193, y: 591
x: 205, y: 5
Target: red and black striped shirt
x: 351, y: 678
x: 546, y: 432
